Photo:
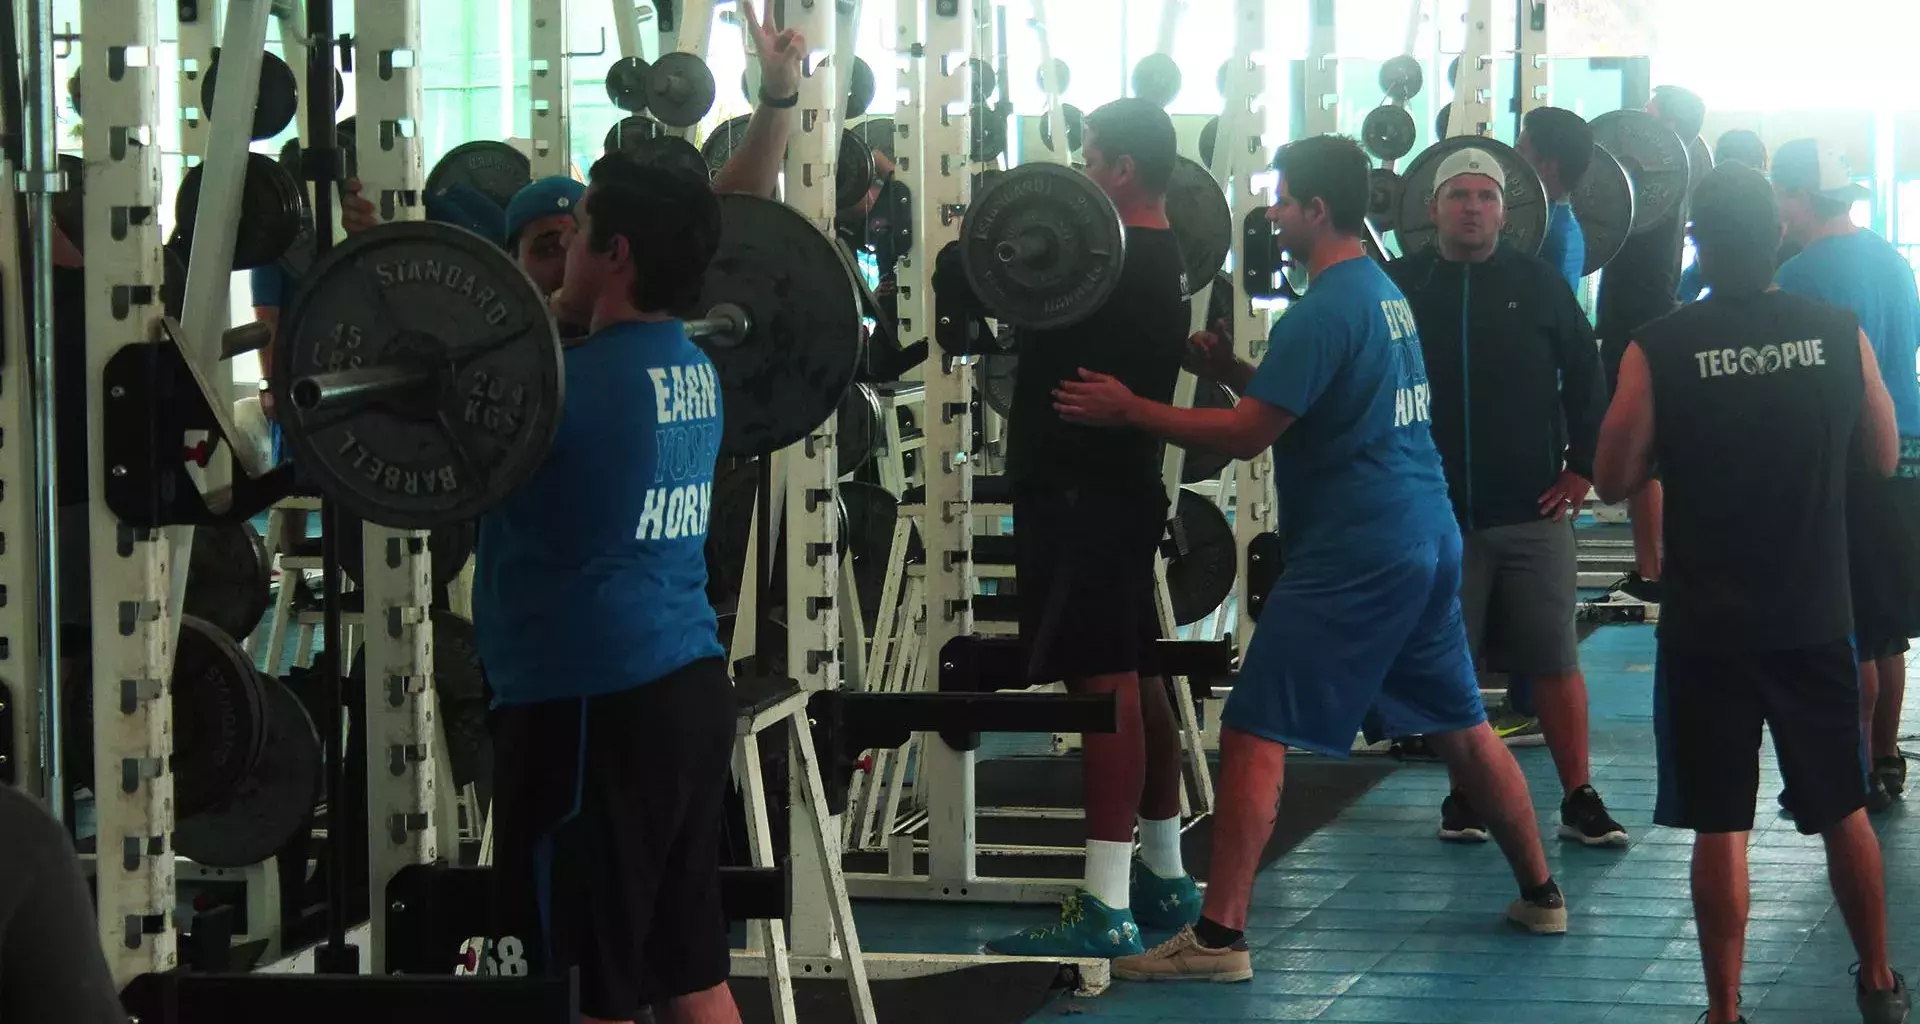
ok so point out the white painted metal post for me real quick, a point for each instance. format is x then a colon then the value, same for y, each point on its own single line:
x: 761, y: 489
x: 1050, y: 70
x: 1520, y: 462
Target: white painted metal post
x: 1049, y: 84
x: 1530, y: 57
x: 1255, y: 510
x: 1473, y: 94
x: 195, y: 56
x: 549, y: 88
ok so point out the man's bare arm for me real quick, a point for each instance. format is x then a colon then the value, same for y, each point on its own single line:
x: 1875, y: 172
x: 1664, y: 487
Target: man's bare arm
x: 1878, y: 429
x: 1623, y: 463
x: 754, y: 167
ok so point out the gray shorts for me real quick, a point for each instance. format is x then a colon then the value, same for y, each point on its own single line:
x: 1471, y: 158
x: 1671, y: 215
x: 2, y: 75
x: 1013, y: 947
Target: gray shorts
x: 1517, y: 593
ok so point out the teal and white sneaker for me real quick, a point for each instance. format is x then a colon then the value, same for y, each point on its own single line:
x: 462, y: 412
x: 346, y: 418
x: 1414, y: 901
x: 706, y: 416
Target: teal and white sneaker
x: 1164, y: 904
x: 1087, y: 928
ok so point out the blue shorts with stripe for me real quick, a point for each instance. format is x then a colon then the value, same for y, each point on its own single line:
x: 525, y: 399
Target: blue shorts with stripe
x: 1377, y: 632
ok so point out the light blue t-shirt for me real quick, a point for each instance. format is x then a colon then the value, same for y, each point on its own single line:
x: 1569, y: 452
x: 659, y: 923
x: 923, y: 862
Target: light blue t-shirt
x: 591, y: 578
x: 1565, y: 246
x: 1358, y: 472
x: 1862, y: 274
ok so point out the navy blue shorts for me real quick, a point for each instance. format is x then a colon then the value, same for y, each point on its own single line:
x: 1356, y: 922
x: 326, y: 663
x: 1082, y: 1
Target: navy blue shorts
x: 1379, y: 632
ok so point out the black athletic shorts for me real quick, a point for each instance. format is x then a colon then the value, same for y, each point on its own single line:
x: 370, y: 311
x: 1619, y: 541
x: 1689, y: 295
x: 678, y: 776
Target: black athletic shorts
x: 607, y: 837
x: 1883, y: 556
x: 1084, y: 573
x: 1707, y: 710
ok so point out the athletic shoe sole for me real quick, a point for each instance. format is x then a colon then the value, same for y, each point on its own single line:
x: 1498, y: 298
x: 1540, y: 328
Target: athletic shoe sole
x: 1223, y: 978
x: 1572, y: 833
x: 1553, y: 926
x: 1463, y: 835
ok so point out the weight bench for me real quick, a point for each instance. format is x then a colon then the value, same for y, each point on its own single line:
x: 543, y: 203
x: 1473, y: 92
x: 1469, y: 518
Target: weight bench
x: 981, y: 664
x: 183, y: 998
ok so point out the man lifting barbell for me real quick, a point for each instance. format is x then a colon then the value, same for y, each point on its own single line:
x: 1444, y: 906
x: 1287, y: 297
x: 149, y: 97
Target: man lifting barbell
x: 1367, y: 616
x: 1845, y: 265
x: 1513, y: 373
x: 615, y: 712
x: 1089, y: 512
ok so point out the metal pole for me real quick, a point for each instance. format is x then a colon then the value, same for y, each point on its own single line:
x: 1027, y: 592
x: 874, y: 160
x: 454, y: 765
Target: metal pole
x: 41, y: 167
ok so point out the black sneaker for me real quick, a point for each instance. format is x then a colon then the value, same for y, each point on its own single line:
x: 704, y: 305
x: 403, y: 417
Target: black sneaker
x: 1584, y: 819
x: 1705, y: 1013
x: 1640, y: 589
x: 1893, y: 774
x: 1458, y: 822
x: 1892, y: 1006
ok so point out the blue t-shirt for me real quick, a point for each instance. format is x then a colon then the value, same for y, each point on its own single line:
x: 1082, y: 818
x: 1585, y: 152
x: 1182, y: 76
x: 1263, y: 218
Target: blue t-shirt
x: 269, y: 285
x: 1565, y: 246
x: 1862, y: 274
x: 1358, y: 472
x: 591, y: 578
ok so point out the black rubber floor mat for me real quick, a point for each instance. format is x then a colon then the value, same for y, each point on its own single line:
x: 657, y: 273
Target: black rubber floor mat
x: 989, y: 994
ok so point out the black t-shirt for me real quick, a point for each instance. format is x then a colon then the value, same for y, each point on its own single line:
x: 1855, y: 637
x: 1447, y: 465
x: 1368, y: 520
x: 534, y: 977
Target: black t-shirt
x: 70, y: 384
x: 1755, y: 402
x: 1641, y: 283
x: 51, y: 965
x: 1137, y: 337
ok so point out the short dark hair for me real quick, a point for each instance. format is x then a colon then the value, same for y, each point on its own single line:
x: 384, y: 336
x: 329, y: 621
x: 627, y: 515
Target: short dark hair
x: 1740, y: 146
x: 1684, y: 108
x: 1332, y: 169
x: 1142, y: 130
x: 1736, y: 227
x: 671, y: 221
x: 1827, y: 207
x: 1564, y: 137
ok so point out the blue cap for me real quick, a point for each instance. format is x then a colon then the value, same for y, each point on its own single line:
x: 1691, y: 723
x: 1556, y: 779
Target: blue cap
x: 464, y: 206
x: 548, y: 197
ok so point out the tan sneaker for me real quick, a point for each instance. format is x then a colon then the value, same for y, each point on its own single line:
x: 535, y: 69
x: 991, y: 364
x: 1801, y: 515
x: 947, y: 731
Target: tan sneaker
x: 1183, y: 958
x: 1545, y: 916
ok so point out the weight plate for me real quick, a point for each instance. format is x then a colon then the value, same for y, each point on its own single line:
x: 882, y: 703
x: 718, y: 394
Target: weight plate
x: 344, y: 139
x: 1655, y: 159
x: 463, y: 698
x: 1063, y: 75
x: 229, y: 577
x: 272, y: 206
x: 1199, y: 463
x: 1453, y: 73
x: 853, y: 170
x: 870, y: 512
x: 860, y: 88
x: 1220, y: 76
x: 272, y: 804
x: 1201, y: 220
x: 729, y: 530
x: 1699, y: 162
x: 878, y: 134
x: 679, y: 89
x: 1442, y: 121
x: 1388, y: 132
x: 277, y: 103
x: 1383, y: 197
x: 422, y: 296
x: 449, y: 548
x: 1401, y: 78
x: 782, y: 380
x: 1603, y: 204
x: 859, y: 429
x: 985, y: 82
x: 989, y: 130
x: 214, y: 690
x: 1527, y: 207
x: 1220, y: 302
x: 996, y: 377
x: 627, y: 84
x: 173, y: 285
x: 669, y: 152
x: 1209, y: 138
x: 1202, y: 561
x: 725, y: 138
x: 496, y: 169
x: 1076, y: 127
x: 630, y: 132
x: 1043, y: 248
x: 1156, y: 79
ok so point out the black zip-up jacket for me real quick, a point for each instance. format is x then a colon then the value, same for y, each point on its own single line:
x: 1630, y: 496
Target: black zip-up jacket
x: 1515, y: 376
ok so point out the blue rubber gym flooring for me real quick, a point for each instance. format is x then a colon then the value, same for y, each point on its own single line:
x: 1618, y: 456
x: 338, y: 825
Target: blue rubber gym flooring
x: 1373, y: 919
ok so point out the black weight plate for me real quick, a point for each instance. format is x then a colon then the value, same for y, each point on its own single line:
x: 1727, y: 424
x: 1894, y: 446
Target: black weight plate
x: 214, y: 688
x: 1388, y: 132
x: 1699, y: 162
x: 345, y: 140
x: 1603, y: 204
x: 76, y: 724
x: 853, y: 170
x: 989, y: 130
x: 1075, y: 246
x: 783, y: 380
x: 1453, y: 73
x: 996, y: 377
x: 878, y: 134
x: 272, y: 804
x: 627, y: 84
x: 870, y: 512
x: 719, y: 146
x: 1062, y: 73
x: 860, y: 88
x: 631, y: 132
x: 449, y: 547
x: 1201, y: 220
x: 1383, y: 197
x: 859, y: 429
x: 424, y: 296
x: 679, y: 89
x: 985, y: 82
x: 496, y: 169
x: 173, y: 285
x: 671, y: 153
x: 1209, y: 138
x: 462, y: 695
x: 1401, y: 78
x: 1442, y: 121
x: 1527, y: 207
x: 229, y: 577
x: 1655, y: 159
x: 729, y: 529
x: 1201, y: 464
x: 272, y: 205
x: 1076, y: 127
x: 1156, y: 79
x: 1203, y: 558
x: 277, y: 103
x: 1220, y: 301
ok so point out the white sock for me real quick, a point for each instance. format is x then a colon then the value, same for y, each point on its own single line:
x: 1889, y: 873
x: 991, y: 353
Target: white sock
x: 1108, y: 871
x: 1160, y: 847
